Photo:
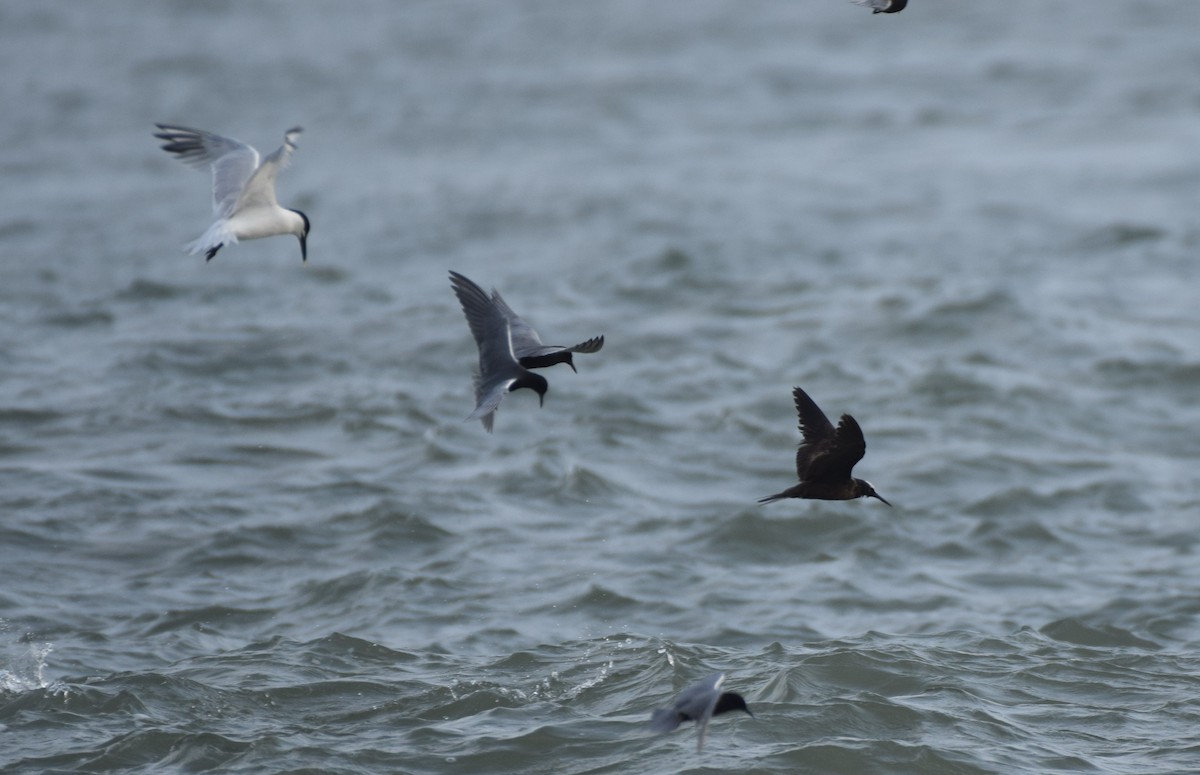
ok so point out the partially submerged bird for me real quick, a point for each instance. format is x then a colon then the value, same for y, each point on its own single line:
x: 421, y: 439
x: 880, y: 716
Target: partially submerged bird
x: 243, y: 190
x: 499, y: 370
x: 826, y: 457
x: 528, y: 347
x: 883, y: 6
x: 699, y: 702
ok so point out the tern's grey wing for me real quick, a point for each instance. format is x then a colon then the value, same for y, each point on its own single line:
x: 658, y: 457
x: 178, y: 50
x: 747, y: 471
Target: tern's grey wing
x: 878, y: 5
x: 702, y: 731
x: 698, y: 701
x: 259, y: 191
x: 590, y: 346
x: 232, y: 161
x: 490, y: 328
x: 525, y: 340
x: 692, y: 704
x: 665, y: 720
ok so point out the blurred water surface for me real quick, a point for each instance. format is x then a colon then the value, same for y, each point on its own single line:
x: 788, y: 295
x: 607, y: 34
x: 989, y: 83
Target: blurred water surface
x: 245, y: 528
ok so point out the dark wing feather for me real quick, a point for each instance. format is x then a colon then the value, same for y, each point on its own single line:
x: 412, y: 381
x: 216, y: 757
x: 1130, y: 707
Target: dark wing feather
x: 590, y: 346
x: 525, y: 339
x: 528, y: 344
x: 815, y: 428
x: 695, y: 703
x: 486, y: 321
x: 490, y: 328
x: 835, y: 460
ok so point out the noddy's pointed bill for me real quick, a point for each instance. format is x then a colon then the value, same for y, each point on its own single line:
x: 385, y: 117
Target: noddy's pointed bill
x: 499, y: 370
x: 826, y: 457
x: 528, y: 346
x: 699, y: 702
x: 882, y: 6
x: 243, y: 190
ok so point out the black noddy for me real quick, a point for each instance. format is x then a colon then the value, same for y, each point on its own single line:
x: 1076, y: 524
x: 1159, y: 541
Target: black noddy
x: 699, y: 702
x: 883, y: 6
x: 528, y: 347
x: 826, y: 457
x: 499, y: 370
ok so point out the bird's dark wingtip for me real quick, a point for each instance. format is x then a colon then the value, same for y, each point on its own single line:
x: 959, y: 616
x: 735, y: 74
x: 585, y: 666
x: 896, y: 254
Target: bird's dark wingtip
x: 590, y: 346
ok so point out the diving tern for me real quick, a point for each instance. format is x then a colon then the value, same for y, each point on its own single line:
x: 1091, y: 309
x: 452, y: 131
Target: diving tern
x: 499, y: 370
x: 698, y: 702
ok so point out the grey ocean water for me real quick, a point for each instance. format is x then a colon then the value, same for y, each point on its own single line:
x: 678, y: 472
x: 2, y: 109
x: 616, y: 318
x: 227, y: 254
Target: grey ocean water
x: 244, y: 528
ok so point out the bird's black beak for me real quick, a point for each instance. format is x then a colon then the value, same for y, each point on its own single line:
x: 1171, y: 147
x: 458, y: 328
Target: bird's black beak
x: 880, y: 497
x: 541, y: 400
x: 572, y: 365
x: 303, y: 248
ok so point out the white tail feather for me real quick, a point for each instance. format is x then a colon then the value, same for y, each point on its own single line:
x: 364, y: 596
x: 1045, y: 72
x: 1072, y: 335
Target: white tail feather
x: 214, y: 236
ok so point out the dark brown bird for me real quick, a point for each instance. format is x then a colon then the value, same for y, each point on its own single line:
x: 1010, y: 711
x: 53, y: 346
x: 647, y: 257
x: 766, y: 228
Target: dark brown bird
x: 826, y: 457
x: 883, y: 6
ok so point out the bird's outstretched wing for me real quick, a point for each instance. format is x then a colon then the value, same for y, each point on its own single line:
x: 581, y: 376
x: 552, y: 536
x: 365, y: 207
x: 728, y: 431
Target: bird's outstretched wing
x: 259, y: 190
x: 528, y: 344
x: 878, y: 5
x: 701, y: 701
x: 524, y: 337
x: 836, y: 459
x: 695, y: 703
x: 815, y: 429
x: 232, y: 161
x: 488, y: 325
x: 498, y: 367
